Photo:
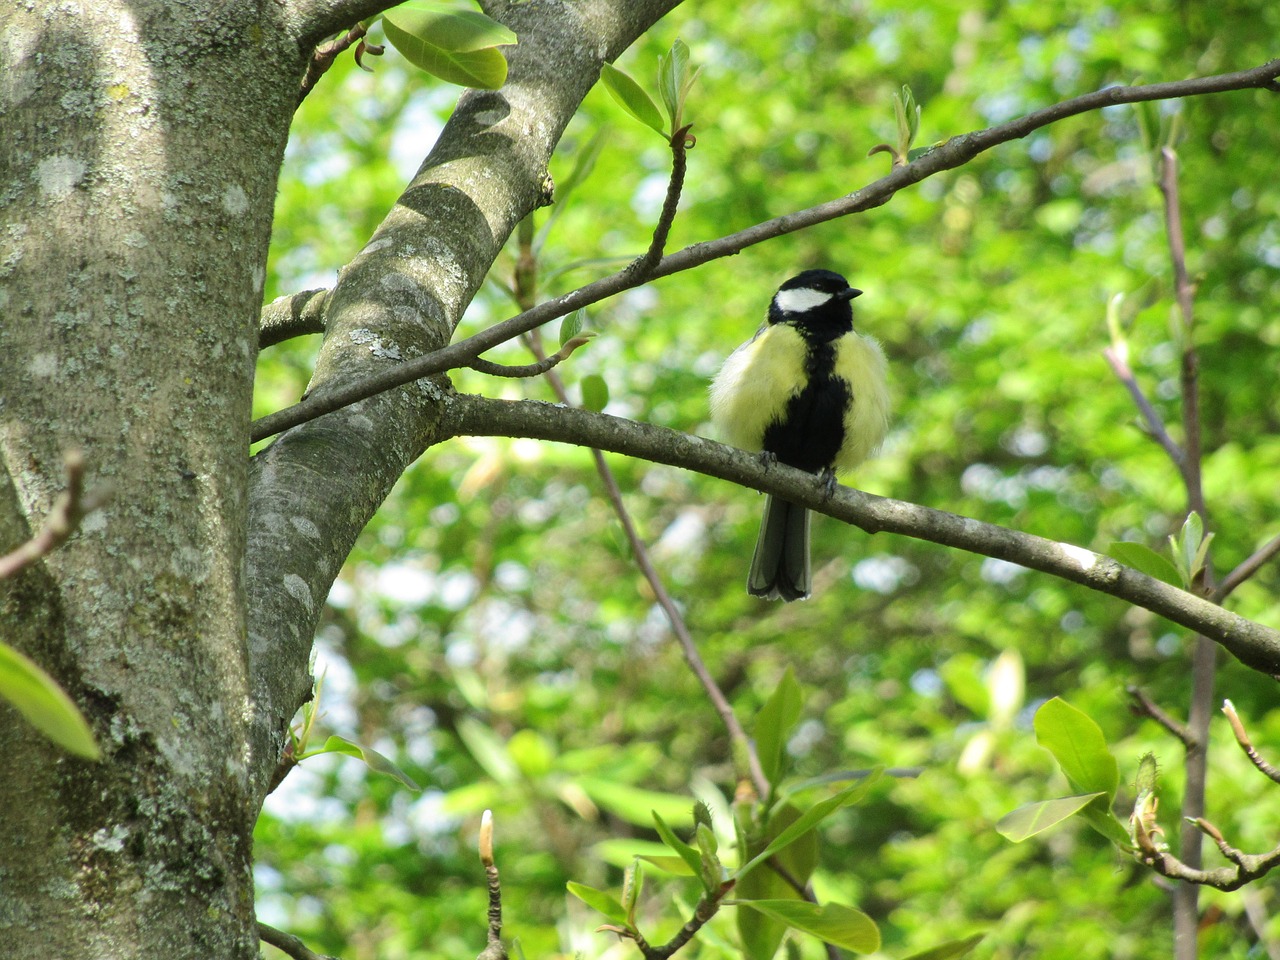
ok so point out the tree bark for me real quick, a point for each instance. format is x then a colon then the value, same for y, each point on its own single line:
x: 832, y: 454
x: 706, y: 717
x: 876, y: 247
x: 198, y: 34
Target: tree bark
x: 143, y: 143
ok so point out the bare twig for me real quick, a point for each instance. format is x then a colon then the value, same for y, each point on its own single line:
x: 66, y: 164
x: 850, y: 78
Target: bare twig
x: 544, y: 365
x: 324, y: 55
x: 1183, y: 294
x: 681, y: 142
x: 707, y: 907
x: 494, y: 950
x: 1143, y: 705
x: 1186, y: 913
x: 288, y: 943
x: 63, y: 519
x: 1242, y: 738
x: 1155, y: 424
x: 949, y: 155
x: 1247, y: 569
x: 1245, y: 867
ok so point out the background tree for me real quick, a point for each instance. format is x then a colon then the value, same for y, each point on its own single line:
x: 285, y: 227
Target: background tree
x: 505, y: 650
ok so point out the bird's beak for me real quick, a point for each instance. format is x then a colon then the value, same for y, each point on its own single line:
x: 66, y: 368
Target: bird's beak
x: 848, y: 294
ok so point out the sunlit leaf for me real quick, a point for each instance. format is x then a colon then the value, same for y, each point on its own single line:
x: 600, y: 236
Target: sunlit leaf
x: 44, y: 704
x: 372, y: 758
x: 1143, y: 558
x: 774, y: 723
x: 632, y: 98
x: 1033, y: 818
x: 606, y: 903
x: 834, y: 923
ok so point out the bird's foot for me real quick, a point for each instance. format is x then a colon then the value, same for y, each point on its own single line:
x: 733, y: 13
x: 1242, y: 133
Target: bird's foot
x: 827, y: 476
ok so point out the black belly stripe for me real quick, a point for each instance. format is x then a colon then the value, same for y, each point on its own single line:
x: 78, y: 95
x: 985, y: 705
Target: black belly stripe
x: 811, y: 430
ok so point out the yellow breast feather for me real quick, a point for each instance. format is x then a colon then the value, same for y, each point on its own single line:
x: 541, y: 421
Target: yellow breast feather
x: 861, y: 363
x: 754, y: 385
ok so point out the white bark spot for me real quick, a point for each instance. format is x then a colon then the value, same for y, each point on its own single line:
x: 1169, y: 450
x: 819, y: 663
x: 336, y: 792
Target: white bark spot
x: 297, y: 588
x: 43, y: 365
x: 1085, y: 559
x: 234, y: 200
x: 112, y: 841
x: 58, y: 175
x: 305, y: 527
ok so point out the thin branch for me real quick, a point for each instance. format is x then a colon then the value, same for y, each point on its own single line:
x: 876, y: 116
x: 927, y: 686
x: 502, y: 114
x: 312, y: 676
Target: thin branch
x: 293, y: 315
x: 1183, y: 293
x: 1245, y: 867
x: 1242, y: 738
x: 953, y: 153
x: 323, y: 56
x: 681, y: 142
x: 1143, y: 705
x: 494, y: 950
x: 544, y: 365
x: 1253, y: 643
x: 1247, y: 569
x: 1203, y: 654
x: 1155, y: 425
x: 708, y: 906
x: 64, y: 517
x: 288, y: 943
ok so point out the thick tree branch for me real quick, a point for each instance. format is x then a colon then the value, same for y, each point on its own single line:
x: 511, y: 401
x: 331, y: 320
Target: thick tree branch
x: 318, y: 19
x: 1253, y: 643
x: 953, y: 153
x: 293, y: 315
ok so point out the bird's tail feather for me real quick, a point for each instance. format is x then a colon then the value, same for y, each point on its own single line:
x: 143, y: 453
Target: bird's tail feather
x: 780, y: 566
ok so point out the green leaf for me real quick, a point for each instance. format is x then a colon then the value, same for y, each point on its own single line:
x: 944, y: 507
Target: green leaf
x: 605, y: 903
x: 632, y: 98
x: 1143, y: 558
x: 761, y: 934
x: 774, y: 723
x: 1078, y: 745
x: 1033, y: 818
x: 810, y: 819
x: 451, y: 45
x: 688, y: 854
x: 949, y: 950
x: 595, y: 392
x: 672, y: 865
x: 672, y: 69
x: 449, y: 27
x: 372, y: 758
x: 833, y: 923
x: 571, y: 326
x: 44, y: 704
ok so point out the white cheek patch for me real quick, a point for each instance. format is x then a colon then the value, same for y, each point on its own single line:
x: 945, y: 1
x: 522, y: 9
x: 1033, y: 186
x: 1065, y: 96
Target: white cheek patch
x: 800, y: 299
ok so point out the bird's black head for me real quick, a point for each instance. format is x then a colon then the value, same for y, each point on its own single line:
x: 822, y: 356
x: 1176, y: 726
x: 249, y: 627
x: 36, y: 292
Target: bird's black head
x: 817, y: 300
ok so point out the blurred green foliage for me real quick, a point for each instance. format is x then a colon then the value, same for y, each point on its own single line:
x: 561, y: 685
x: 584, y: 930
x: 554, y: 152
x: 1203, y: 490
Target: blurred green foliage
x: 492, y: 636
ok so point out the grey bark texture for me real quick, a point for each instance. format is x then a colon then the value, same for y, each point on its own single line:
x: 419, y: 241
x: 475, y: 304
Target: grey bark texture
x: 137, y: 177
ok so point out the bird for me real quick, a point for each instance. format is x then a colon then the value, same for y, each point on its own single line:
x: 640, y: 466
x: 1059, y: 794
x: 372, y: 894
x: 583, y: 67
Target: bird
x: 808, y: 391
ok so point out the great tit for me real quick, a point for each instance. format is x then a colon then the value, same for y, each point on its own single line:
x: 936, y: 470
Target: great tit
x: 808, y: 391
